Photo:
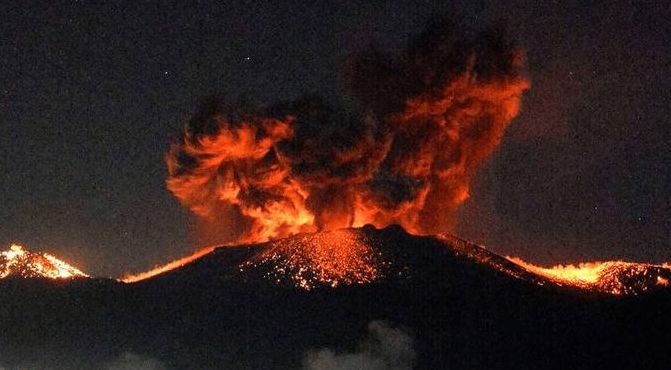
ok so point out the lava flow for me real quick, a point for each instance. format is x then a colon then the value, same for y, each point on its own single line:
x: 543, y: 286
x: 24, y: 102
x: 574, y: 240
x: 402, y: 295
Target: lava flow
x: 19, y: 262
x: 131, y: 278
x: 614, y: 277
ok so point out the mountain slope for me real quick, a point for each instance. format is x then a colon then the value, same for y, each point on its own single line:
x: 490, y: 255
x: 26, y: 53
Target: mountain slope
x: 266, y: 306
x: 368, y: 255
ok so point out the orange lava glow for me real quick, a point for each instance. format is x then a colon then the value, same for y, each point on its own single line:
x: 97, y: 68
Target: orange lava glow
x: 132, y: 278
x: 17, y: 261
x: 330, y: 258
x: 352, y: 256
x: 613, y: 277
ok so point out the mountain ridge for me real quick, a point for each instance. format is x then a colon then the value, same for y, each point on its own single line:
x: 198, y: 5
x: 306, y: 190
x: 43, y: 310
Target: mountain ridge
x: 366, y: 254
x: 207, y: 314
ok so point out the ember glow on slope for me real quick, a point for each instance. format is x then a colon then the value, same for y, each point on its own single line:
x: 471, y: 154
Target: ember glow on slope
x: 604, y: 276
x: 17, y: 261
x: 347, y: 257
x: 131, y: 278
x: 330, y: 259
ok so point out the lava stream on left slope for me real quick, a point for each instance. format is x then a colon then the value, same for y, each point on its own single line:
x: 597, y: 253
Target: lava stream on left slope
x: 131, y: 278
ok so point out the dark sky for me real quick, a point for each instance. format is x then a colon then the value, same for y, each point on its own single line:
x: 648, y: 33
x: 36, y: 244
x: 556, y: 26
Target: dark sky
x: 92, y: 94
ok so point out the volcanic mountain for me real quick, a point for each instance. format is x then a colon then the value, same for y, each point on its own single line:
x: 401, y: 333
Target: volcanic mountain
x: 269, y: 305
x: 368, y: 255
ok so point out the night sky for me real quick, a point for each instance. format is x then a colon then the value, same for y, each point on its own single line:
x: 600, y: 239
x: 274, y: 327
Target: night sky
x: 91, y: 96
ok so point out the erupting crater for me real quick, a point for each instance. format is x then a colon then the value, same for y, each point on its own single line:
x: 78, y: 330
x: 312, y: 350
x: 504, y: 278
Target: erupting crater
x: 328, y: 258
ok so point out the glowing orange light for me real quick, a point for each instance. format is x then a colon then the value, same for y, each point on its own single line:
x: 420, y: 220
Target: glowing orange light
x: 329, y: 258
x: 349, y: 257
x: 132, y: 278
x: 614, y: 277
x: 19, y: 262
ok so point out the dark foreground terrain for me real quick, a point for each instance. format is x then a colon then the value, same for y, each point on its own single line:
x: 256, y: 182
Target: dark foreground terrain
x: 459, y: 313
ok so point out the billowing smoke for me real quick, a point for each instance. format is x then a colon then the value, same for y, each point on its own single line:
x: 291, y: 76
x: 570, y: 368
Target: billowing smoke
x: 384, y: 348
x: 422, y: 123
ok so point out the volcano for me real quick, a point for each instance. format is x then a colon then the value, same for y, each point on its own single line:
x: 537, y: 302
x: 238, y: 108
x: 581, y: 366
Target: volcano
x: 367, y: 255
x: 273, y: 305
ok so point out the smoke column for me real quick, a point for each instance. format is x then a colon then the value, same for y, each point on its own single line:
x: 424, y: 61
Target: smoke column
x: 424, y: 121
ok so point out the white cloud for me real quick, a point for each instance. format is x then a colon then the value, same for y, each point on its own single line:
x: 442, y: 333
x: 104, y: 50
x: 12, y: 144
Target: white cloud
x: 384, y: 348
x: 130, y: 361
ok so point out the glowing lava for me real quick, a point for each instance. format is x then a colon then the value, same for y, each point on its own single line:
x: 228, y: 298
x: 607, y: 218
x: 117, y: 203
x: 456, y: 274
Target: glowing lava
x: 358, y: 256
x: 614, y: 277
x: 22, y: 263
x: 329, y: 258
x: 131, y: 278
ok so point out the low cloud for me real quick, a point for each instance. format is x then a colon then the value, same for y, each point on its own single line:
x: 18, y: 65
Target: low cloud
x: 126, y: 361
x: 383, y: 348
x: 131, y: 361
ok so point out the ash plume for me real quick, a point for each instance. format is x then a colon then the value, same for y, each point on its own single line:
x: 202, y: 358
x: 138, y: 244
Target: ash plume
x: 424, y: 120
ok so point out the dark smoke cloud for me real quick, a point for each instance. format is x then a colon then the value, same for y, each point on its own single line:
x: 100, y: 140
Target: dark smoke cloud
x: 423, y: 122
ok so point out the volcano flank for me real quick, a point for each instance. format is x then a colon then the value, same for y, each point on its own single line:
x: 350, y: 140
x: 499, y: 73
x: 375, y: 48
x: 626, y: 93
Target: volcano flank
x: 367, y: 255
x: 268, y: 305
